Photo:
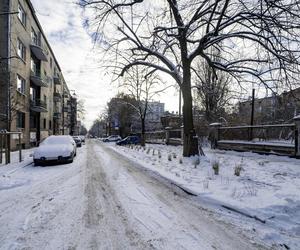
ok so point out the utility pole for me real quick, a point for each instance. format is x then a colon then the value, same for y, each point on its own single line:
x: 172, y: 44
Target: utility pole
x: 252, y: 114
x: 179, y: 111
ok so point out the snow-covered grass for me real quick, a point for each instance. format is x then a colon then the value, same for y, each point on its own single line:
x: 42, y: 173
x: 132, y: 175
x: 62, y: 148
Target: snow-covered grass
x: 267, y: 188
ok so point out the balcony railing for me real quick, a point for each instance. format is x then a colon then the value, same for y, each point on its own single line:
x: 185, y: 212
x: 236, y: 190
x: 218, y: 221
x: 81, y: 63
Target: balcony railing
x: 56, y: 115
x: 38, y: 105
x: 39, y: 80
x: 38, y: 51
x: 67, y: 109
x: 57, y: 80
x: 57, y: 97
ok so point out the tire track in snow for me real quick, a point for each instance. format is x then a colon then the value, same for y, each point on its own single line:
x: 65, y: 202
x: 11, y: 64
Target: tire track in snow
x: 172, y: 219
x: 105, y: 220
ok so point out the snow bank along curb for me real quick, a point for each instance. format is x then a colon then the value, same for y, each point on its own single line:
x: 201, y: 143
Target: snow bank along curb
x: 266, y: 191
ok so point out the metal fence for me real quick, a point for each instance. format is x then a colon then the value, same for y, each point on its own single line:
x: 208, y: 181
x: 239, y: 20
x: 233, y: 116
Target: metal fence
x: 278, y: 139
x: 5, y: 138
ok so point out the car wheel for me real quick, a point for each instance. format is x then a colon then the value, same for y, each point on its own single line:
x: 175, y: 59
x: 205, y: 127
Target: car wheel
x: 71, y: 160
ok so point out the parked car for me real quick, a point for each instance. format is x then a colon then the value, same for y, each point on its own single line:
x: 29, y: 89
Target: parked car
x: 78, y: 141
x: 61, y: 148
x: 133, y: 139
x: 112, y: 138
x: 82, y: 137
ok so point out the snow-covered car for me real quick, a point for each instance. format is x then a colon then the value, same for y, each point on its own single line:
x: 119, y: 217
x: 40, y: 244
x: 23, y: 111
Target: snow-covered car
x: 133, y: 139
x: 61, y: 148
x: 82, y: 137
x: 112, y: 138
x: 78, y: 141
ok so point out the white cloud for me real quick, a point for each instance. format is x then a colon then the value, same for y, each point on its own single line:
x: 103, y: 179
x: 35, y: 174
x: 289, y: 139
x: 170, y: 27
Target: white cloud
x: 63, y: 26
x: 63, y: 23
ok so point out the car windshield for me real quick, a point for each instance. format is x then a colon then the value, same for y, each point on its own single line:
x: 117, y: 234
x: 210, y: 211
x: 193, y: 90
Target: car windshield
x: 57, y: 140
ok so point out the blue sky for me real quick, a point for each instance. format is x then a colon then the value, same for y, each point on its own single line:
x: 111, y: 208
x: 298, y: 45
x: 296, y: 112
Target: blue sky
x: 65, y: 28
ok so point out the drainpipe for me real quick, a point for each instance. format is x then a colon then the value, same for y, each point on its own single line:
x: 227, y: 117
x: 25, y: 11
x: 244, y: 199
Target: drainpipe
x: 8, y: 79
x: 8, y: 115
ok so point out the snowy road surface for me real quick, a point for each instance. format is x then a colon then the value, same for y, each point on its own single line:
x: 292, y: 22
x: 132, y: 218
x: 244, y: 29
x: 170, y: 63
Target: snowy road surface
x: 104, y: 201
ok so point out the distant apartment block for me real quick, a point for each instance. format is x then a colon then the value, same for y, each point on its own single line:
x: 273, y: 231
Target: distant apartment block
x: 272, y: 109
x: 156, y: 110
x: 34, y: 97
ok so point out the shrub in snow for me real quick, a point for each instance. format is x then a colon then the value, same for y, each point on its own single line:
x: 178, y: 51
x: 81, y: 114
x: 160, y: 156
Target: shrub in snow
x: 159, y: 154
x: 196, y: 162
x: 174, y: 155
x: 237, y: 170
x: 250, y: 190
x: 180, y: 161
x: 216, y: 166
x: 148, y: 150
x: 205, y: 184
x: 169, y: 157
x: 153, y: 152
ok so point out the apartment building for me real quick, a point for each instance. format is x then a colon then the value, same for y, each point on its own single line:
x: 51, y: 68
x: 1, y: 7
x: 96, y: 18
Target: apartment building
x: 34, y: 97
x: 272, y: 109
x: 156, y: 110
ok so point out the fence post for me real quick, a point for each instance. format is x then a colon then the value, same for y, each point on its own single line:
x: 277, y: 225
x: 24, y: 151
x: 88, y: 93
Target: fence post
x: 214, y: 134
x: 7, y: 160
x: 20, y: 148
x: 297, y: 136
x: 182, y: 134
x: 1, y: 147
x: 167, y: 130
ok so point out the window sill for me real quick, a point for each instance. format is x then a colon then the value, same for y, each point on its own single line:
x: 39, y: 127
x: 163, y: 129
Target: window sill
x: 24, y: 25
x: 21, y: 59
x: 20, y: 93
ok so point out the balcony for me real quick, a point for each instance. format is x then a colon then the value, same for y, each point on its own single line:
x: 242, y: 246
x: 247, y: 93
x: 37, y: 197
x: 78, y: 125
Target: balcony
x: 37, y: 78
x: 67, y: 109
x: 57, y: 80
x: 56, y: 115
x: 38, y: 106
x: 57, y: 97
x: 38, y: 51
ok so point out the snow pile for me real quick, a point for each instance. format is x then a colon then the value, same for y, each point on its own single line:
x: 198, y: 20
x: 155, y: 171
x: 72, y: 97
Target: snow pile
x: 265, y: 194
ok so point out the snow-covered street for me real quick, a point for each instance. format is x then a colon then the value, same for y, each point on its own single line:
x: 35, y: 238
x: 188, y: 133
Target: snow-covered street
x: 105, y: 201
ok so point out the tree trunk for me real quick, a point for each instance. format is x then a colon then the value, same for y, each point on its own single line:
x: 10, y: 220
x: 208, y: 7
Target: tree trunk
x: 190, y: 141
x: 143, y: 139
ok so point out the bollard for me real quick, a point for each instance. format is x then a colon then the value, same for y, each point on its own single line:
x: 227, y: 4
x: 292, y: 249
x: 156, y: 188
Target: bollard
x: 20, y: 148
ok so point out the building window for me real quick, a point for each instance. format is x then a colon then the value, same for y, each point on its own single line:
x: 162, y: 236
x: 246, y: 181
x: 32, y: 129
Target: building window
x: 32, y: 94
x: 44, y: 125
x: 51, y: 62
x: 21, y: 50
x: 50, y: 125
x: 22, y: 15
x: 35, y: 38
x: 20, y: 119
x: 21, y: 84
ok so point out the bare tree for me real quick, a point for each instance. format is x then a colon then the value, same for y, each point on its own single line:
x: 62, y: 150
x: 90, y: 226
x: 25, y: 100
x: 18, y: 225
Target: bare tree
x: 143, y: 86
x: 260, y: 40
x: 213, y: 93
x: 81, y: 111
x: 121, y: 114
